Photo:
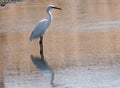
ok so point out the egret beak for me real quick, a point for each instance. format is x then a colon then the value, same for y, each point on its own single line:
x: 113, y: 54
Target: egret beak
x: 57, y: 8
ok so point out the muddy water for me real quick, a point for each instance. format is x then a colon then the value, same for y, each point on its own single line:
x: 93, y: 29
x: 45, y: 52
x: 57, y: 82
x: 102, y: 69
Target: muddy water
x: 84, y: 33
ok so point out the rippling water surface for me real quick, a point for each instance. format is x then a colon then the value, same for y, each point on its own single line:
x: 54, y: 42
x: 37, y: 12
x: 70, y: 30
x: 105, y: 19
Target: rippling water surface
x: 84, y: 33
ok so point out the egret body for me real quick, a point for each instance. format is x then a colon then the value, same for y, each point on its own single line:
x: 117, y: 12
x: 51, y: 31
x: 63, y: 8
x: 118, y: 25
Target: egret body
x: 41, y: 28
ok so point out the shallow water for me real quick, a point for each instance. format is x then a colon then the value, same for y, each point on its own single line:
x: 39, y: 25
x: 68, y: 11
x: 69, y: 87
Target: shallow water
x: 84, y: 33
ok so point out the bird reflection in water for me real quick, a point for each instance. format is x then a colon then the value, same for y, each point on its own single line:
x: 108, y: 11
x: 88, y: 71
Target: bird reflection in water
x: 43, y: 66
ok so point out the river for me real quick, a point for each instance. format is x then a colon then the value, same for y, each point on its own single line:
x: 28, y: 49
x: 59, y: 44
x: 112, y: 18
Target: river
x: 85, y: 33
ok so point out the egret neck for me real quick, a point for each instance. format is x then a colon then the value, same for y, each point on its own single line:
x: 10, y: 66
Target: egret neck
x: 49, y: 16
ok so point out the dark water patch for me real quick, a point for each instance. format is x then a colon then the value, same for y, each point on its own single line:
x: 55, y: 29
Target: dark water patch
x: 2, y: 35
x: 4, y: 2
x: 1, y: 85
x: 3, y: 38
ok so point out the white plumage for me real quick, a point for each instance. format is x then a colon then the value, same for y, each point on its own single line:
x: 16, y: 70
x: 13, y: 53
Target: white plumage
x: 39, y: 29
x: 43, y: 25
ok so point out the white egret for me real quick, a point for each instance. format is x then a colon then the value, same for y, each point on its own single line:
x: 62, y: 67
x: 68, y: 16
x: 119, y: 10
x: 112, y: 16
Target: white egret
x: 41, y: 28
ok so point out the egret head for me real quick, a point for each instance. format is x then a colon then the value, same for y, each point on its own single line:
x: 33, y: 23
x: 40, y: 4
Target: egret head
x: 53, y: 7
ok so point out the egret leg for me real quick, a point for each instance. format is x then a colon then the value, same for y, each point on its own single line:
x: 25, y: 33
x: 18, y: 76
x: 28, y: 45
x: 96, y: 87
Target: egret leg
x: 41, y: 47
x: 52, y: 77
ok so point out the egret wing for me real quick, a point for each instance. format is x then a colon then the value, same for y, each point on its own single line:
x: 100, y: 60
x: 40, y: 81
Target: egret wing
x: 39, y: 30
